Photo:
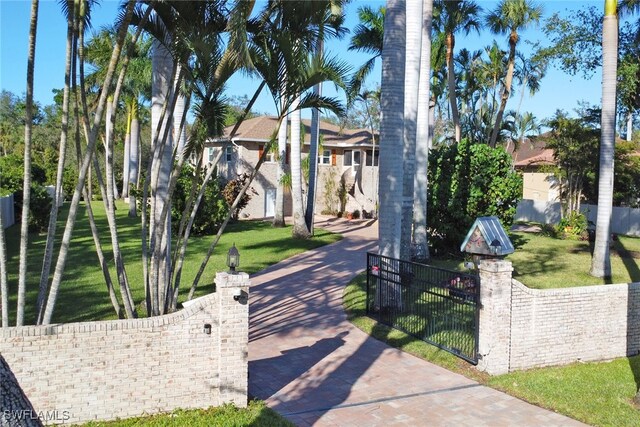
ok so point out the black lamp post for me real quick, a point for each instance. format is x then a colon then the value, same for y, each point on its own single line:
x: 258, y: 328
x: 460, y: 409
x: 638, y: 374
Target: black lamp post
x: 233, y: 259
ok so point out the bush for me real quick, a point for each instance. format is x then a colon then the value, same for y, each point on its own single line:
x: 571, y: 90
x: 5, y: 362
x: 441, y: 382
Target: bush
x: 573, y: 227
x: 212, y: 210
x: 467, y: 181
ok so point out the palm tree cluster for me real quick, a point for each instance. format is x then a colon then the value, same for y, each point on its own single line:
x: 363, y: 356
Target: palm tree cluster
x: 195, y: 48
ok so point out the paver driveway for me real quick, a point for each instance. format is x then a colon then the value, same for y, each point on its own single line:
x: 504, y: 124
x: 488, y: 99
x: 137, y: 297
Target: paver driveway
x: 312, y: 366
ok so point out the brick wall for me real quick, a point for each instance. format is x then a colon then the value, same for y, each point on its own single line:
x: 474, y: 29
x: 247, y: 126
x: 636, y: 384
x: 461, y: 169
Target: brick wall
x: 558, y: 326
x: 123, y: 368
x: 523, y: 328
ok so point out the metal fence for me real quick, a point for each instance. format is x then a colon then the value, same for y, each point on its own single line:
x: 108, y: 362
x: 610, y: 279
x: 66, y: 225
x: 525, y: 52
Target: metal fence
x: 435, y: 305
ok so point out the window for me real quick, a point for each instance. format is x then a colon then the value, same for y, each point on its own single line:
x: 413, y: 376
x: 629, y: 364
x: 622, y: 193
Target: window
x: 356, y: 158
x: 376, y: 160
x: 229, y: 153
x: 346, y: 157
x: 211, y: 154
x: 325, y: 157
x: 270, y: 158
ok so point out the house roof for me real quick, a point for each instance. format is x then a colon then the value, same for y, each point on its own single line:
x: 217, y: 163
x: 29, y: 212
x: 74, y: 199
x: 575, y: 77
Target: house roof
x: 261, y: 128
x: 533, y: 152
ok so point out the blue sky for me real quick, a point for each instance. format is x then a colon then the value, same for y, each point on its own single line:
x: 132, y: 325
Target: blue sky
x: 558, y: 90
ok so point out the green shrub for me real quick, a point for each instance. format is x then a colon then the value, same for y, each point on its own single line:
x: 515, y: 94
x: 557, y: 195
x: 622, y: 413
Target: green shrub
x: 467, y: 181
x: 573, y: 227
x: 212, y: 210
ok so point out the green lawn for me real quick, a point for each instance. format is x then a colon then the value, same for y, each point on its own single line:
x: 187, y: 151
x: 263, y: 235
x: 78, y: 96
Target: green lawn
x: 542, y: 262
x: 255, y: 415
x: 83, y: 295
x: 596, y: 393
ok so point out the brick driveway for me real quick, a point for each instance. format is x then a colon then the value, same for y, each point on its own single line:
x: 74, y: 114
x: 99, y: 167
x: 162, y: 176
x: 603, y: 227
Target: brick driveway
x: 312, y: 366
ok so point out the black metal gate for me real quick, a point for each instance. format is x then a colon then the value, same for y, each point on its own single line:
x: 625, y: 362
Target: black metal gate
x: 435, y: 305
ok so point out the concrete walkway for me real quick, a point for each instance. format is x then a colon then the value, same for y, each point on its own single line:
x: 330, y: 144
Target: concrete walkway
x: 312, y: 366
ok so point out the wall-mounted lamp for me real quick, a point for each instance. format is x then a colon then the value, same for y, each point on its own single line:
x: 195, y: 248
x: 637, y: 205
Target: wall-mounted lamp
x: 207, y: 328
x: 237, y: 294
x: 233, y: 259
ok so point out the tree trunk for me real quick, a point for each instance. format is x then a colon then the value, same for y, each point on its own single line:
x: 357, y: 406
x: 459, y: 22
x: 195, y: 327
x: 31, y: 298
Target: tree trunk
x: 391, y: 129
x: 126, y: 158
x: 134, y: 159
x: 314, y: 142
x: 451, y: 85
x: 629, y: 126
x: 300, y: 230
x: 413, y: 40
x: 62, y: 150
x: 26, y: 189
x: 506, y: 92
x: 73, y: 209
x: 4, y: 287
x: 601, y: 261
x: 422, y: 141
x: 162, y: 85
x: 278, y: 218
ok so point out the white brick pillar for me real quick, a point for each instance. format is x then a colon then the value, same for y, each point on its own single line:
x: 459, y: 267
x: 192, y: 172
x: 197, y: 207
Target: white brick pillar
x: 233, y: 347
x: 494, y: 336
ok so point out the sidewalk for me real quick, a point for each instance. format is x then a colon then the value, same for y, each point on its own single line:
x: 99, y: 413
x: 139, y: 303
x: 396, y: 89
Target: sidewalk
x: 313, y: 367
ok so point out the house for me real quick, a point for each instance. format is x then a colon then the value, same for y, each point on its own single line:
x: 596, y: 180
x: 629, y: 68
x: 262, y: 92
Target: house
x: 347, y: 166
x: 533, y: 159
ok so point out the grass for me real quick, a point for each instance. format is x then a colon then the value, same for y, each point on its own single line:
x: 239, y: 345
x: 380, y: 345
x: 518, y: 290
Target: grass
x: 542, y: 262
x: 257, y: 414
x: 599, y: 394
x: 83, y: 295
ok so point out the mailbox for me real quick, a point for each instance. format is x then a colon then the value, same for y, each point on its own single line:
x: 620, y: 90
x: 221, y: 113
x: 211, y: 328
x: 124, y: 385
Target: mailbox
x: 487, y: 239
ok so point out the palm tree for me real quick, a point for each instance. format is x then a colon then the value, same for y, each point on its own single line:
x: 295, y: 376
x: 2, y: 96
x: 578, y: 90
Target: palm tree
x: 367, y: 37
x: 419, y: 239
x: 413, y: 40
x: 300, y: 230
x: 454, y: 16
x: 601, y: 261
x: 510, y: 17
x: 73, y: 208
x: 26, y: 192
x: 391, y: 129
x: 278, y: 218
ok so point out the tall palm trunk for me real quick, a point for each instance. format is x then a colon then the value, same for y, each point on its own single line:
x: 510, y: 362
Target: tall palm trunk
x: 162, y: 85
x: 314, y: 142
x: 629, y: 126
x: 73, y: 208
x: 126, y: 157
x: 62, y: 149
x: 26, y: 192
x: 451, y: 84
x: 179, y: 131
x: 391, y: 129
x: 422, y: 140
x: 134, y: 156
x: 413, y: 40
x: 601, y: 261
x: 4, y: 287
x: 300, y: 230
x: 506, y: 90
x: 278, y: 218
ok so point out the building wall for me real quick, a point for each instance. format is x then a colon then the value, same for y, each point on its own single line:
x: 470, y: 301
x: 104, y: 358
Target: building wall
x: 124, y: 368
x: 539, y: 186
x: 246, y: 156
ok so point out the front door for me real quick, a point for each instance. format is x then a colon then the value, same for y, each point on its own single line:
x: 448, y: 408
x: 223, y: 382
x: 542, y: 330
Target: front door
x: 270, y: 203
